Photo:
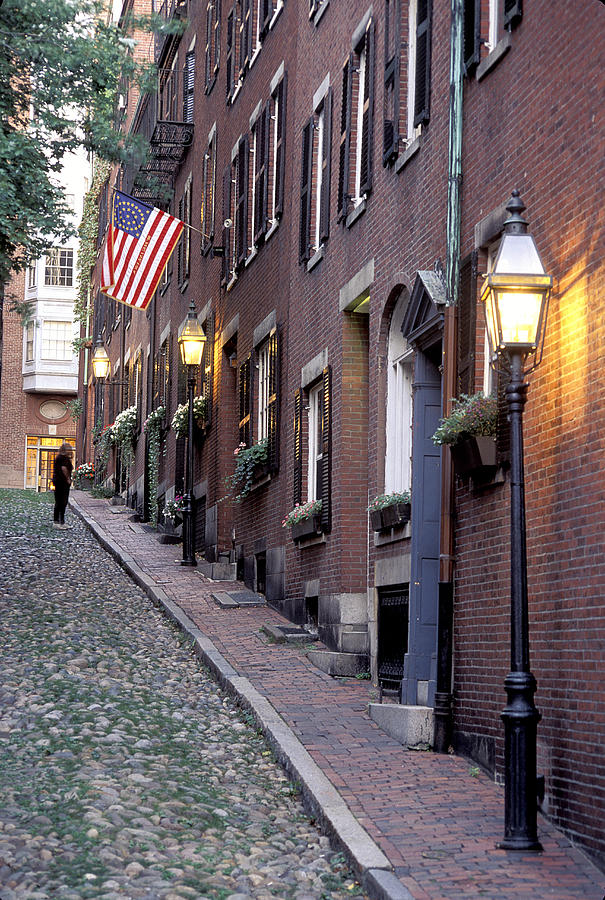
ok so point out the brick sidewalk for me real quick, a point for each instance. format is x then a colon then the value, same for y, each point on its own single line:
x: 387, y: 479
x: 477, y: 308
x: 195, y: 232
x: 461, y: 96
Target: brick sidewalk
x: 437, y: 824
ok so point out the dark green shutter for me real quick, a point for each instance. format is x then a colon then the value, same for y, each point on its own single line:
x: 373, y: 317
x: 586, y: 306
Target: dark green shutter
x: 423, y: 63
x: 345, y: 139
x: 298, y: 447
x: 467, y: 310
x: 392, y: 55
x: 367, y: 136
x: 245, y: 402
x: 326, y: 159
x: 241, y: 214
x: 326, y: 450
x: 225, y: 273
x: 280, y: 145
x: 472, y: 35
x: 304, y: 243
x: 273, y: 404
x: 230, y: 64
x: 260, y: 177
x: 513, y: 12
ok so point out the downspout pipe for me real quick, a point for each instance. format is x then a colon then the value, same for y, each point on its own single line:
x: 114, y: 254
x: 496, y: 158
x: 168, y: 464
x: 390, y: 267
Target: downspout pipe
x: 443, y: 693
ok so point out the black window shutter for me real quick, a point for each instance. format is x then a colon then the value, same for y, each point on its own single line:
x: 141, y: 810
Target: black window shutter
x: 423, y: 63
x: 188, y: 86
x: 245, y: 37
x: 261, y: 181
x: 167, y: 375
x: 207, y: 370
x: 345, y: 139
x: 298, y: 447
x: 326, y: 448
x: 231, y: 24
x: 392, y: 55
x: 326, y: 158
x: 226, y: 214
x: 245, y: 401
x: 273, y: 404
x: 304, y: 242
x: 280, y: 146
x: 241, y: 214
x: 208, y: 62
x: 368, y: 114
x: 266, y: 14
x: 472, y: 35
x: 139, y: 394
x: 180, y: 245
x: 467, y: 307
x: 513, y: 12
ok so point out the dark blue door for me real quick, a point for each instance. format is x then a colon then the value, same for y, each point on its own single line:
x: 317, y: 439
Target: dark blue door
x: 418, y: 687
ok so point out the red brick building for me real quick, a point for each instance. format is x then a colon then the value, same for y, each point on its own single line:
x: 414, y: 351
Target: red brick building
x: 349, y: 185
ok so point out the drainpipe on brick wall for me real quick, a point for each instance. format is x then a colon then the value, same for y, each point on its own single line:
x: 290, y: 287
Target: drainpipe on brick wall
x: 443, y: 694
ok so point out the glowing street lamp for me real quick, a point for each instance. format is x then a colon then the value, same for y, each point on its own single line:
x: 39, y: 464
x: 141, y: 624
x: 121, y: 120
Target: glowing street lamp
x: 191, y: 342
x: 100, y: 361
x: 516, y: 294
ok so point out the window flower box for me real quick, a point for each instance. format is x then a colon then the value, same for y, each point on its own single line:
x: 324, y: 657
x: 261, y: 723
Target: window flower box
x: 474, y: 454
x: 390, y: 510
x: 306, y: 528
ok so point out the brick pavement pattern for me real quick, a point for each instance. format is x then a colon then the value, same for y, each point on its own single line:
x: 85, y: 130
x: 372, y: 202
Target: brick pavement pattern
x: 435, y: 818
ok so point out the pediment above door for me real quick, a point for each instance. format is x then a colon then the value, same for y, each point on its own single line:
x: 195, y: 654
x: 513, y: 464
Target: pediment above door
x: 422, y: 325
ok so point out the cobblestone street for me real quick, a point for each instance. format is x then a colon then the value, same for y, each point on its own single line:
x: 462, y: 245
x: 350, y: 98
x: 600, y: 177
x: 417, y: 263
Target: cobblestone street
x: 124, y: 770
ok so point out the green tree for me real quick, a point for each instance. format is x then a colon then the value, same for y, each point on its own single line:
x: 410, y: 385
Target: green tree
x: 61, y: 66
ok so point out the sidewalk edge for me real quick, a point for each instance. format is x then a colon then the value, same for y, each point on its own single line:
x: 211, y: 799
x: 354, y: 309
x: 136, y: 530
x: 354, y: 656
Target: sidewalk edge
x: 320, y: 797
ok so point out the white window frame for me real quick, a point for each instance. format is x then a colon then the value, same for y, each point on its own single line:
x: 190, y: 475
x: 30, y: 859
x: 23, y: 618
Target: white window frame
x: 361, y: 80
x: 314, y: 454
x: 32, y: 271
x: 400, y: 377
x: 273, y: 155
x: 494, y: 19
x: 53, y: 266
x: 264, y: 364
x: 412, y: 131
x: 30, y: 338
x: 319, y: 131
x: 252, y: 163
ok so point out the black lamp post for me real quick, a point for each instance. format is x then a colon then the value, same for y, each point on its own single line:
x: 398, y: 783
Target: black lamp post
x: 191, y: 341
x: 516, y: 294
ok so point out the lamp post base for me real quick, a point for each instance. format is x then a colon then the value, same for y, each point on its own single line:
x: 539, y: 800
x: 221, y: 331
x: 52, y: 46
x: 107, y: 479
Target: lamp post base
x: 189, y: 562
x: 520, y: 718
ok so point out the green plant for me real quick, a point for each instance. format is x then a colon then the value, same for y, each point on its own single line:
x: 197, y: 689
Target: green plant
x: 180, y: 419
x: 382, y: 501
x: 246, y: 460
x: 74, y: 408
x: 470, y: 415
x: 153, y: 429
x: 104, y: 440
x: 100, y: 492
x: 124, y: 432
x: 301, y: 512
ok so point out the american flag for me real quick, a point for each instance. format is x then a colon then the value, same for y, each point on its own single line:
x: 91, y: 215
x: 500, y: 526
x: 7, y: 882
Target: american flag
x: 138, y: 246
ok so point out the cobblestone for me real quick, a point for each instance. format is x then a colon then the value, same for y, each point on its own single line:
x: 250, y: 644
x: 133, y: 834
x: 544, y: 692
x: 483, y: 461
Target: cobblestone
x: 124, y: 770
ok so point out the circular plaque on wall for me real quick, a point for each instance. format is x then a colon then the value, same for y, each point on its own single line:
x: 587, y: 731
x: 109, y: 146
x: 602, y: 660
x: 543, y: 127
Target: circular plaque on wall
x: 53, y: 410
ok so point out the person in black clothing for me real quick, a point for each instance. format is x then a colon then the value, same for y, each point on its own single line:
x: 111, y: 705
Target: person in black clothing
x: 62, y: 469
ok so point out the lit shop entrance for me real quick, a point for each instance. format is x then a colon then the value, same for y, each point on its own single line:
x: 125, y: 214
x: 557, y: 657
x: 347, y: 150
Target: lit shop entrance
x: 40, y: 456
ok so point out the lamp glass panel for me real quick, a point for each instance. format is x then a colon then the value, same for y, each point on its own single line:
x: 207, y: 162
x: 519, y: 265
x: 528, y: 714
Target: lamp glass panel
x: 518, y: 254
x: 519, y: 313
x: 100, y: 363
x: 191, y: 351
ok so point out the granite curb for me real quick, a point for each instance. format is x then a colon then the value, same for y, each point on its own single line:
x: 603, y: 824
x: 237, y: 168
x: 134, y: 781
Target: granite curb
x: 320, y: 797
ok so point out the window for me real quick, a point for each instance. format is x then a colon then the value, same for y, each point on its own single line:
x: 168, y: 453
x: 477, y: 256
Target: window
x: 213, y: 51
x: 263, y: 391
x: 245, y: 37
x: 188, y: 86
x: 184, y: 245
x: 315, y: 444
x: 355, y: 177
x: 31, y: 275
x: 317, y: 447
x: 29, y: 342
x: 485, y: 25
x: 161, y: 376
x: 208, y: 191
x: 233, y: 50
x: 315, y: 179
x: 168, y: 79
x: 59, y: 270
x: 56, y: 340
x: 398, y: 461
